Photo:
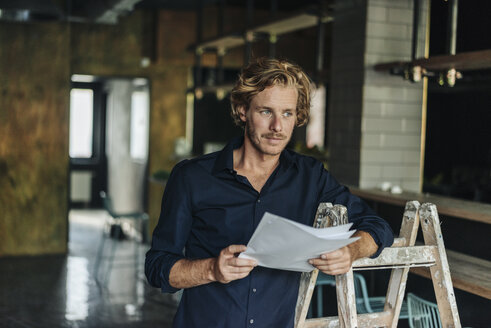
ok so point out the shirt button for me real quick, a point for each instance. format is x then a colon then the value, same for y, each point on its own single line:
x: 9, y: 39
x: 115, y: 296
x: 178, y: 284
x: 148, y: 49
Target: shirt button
x: 251, y: 321
x: 258, y: 200
x: 254, y: 290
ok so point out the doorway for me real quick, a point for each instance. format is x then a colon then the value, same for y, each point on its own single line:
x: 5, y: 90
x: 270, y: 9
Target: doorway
x: 87, y: 133
x: 109, y: 136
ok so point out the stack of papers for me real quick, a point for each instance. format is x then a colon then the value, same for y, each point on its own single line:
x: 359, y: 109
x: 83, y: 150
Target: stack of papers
x: 284, y: 244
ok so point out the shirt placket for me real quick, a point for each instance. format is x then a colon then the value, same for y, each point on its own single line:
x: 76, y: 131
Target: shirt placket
x: 252, y: 306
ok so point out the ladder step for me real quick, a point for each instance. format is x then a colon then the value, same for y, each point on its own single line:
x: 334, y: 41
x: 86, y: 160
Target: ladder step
x: 379, y: 319
x: 400, y: 257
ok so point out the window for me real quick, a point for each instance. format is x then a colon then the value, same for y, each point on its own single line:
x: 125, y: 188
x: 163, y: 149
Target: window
x: 81, y: 123
x: 316, y: 125
x: 139, y: 125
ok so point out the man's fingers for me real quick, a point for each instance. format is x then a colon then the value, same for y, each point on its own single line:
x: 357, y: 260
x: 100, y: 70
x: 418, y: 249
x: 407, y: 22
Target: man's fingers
x: 229, y: 267
x: 331, y: 267
x: 331, y: 263
x: 233, y: 273
x: 242, y: 269
x: 236, y: 276
x: 331, y: 260
x: 339, y: 253
x: 232, y: 249
x: 336, y: 266
x: 238, y: 262
x: 320, y: 262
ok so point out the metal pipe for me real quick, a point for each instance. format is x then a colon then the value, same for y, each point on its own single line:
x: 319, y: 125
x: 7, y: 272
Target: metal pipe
x: 249, y: 37
x: 452, y: 27
x: 274, y: 8
x: 199, y: 37
x: 68, y: 9
x: 220, y: 70
x: 272, y: 38
x: 250, y: 13
x: 321, y: 37
x: 220, y: 52
x: 414, y: 46
x: 221, y: 17
x: 272, y: 45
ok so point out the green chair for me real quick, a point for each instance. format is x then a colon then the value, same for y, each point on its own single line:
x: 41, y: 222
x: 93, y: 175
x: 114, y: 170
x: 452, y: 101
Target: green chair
x: 422, y: 314
x: 116, y: 232
x: 364, y: 303
x: 322, y: 280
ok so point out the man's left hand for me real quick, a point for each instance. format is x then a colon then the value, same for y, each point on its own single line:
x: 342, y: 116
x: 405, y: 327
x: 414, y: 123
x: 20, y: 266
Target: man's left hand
x: 340, y: 260
x: 333, y: 263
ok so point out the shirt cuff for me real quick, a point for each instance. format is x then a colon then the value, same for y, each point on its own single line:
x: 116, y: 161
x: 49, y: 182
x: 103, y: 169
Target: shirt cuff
x: 381, y: 242
x: 164, y: 274
x: 380, y: 247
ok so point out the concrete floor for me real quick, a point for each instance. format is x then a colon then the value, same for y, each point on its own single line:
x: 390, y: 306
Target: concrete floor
x: 61, y: 291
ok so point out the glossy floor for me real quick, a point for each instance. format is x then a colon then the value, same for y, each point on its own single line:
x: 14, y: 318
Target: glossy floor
x: 61, y: 291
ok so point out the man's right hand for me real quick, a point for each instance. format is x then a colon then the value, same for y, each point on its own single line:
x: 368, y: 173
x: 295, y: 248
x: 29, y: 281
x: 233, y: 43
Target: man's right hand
x: 228, y: 267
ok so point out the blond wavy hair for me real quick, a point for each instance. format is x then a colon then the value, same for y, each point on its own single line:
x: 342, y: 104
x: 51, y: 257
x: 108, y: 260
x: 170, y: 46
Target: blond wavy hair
x: 266, y: 72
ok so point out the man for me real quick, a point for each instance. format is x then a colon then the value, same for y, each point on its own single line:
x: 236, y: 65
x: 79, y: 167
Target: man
x: 212, y: 205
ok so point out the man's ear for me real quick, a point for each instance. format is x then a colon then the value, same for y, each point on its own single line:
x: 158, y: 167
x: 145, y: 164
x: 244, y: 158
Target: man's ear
x: 242, y: 113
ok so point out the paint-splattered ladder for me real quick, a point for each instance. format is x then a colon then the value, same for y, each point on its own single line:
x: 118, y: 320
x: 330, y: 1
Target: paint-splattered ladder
x: 401, y: 256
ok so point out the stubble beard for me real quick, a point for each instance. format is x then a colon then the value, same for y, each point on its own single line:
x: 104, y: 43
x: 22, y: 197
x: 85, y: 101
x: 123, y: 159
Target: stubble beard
x: 256, y: 143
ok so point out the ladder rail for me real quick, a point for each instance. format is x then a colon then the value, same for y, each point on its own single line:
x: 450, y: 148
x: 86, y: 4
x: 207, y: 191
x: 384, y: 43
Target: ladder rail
x: 440, y: 273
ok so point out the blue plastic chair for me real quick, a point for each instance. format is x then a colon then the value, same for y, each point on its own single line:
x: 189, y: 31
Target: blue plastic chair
x: 322, y: 280
x: 364, y: 303
x: 422, y: 314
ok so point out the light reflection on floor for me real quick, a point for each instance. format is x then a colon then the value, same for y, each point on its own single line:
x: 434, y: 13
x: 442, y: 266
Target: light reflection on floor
x: 77, y: 289
x: 60, y: 291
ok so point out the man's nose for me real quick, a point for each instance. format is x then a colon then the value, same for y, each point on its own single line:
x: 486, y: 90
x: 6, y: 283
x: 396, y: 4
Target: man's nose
x: 276, y: 124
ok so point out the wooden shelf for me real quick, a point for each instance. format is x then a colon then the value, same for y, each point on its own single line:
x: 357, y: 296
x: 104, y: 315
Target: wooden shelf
x: 277, y: 28
x: 468, y: 273
x: 447, y: 206
x: 465, y: 61
x: 291, y: 24
x: 225, y: 42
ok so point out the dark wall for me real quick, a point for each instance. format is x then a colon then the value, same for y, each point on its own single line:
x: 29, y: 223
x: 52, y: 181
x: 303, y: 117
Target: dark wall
x: 458, y: 138
x: 34, y: 89
x: 36, y: 63
x: 458, y: 144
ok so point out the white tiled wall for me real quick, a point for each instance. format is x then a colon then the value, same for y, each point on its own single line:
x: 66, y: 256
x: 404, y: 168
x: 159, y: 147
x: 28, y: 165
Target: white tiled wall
x: 375, y: 118
x: 392, y: 107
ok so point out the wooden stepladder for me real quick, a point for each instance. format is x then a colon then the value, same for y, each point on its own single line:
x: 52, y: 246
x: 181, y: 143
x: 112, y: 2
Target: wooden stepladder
x: 400, y: 257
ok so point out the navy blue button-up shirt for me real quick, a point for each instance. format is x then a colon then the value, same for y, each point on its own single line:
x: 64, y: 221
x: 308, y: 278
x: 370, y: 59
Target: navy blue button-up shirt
x: 207, y: 206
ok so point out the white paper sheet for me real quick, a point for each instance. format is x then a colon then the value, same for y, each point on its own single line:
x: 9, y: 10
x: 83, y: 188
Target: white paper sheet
x: 284, y: 244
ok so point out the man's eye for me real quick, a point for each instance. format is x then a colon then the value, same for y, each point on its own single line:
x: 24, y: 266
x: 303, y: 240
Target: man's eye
x: 287, y: 114
x: 266, y: 112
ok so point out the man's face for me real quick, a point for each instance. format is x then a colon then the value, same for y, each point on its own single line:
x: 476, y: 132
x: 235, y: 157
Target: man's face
x: 271, y: 118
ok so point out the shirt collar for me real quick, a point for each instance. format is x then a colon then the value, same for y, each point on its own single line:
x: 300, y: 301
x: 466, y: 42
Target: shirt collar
x: 225, y: 159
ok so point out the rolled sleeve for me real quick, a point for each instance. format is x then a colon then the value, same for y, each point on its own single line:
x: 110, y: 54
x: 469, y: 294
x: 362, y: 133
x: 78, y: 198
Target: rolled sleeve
x: 171, y: 233
x: 359, y: 213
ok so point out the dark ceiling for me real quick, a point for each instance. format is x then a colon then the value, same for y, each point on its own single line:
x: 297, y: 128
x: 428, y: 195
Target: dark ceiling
x: 108, y: 11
